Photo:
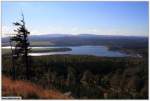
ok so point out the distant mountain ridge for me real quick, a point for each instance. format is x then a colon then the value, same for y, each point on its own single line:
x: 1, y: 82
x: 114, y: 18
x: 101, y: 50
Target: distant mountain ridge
x: 85, y: 39
x: 81, y: 35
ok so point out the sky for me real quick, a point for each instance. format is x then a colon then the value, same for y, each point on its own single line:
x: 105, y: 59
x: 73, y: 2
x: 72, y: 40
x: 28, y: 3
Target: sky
x: 73, y: 18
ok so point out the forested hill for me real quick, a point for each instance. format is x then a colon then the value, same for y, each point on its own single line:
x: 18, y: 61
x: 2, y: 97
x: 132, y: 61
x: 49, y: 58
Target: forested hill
x: 86, y: 77
x: 85, y: 39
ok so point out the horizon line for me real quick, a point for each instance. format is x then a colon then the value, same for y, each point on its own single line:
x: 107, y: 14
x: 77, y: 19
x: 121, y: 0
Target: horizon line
x: 80, y: 34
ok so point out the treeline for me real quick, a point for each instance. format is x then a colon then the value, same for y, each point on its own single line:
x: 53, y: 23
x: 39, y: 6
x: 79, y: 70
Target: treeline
x: 125, y: 41
x: 87, y: 77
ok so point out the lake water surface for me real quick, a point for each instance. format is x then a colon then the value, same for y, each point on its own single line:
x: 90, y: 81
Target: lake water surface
x: 84, y: 50
x: 81, y: 50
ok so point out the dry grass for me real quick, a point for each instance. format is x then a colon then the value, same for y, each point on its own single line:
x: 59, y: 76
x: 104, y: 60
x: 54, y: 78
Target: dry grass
x: 28, y: 90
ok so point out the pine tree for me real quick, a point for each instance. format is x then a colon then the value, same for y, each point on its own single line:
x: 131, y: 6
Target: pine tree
x: 21, y: 45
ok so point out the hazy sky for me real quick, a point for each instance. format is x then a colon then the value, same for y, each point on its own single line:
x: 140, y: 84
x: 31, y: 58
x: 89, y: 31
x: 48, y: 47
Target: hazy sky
x: 102, y: 18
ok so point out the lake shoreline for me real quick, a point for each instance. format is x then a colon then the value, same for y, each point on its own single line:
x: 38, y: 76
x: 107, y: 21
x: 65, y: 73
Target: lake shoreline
x: 51, y: 50
x: 96, y: 50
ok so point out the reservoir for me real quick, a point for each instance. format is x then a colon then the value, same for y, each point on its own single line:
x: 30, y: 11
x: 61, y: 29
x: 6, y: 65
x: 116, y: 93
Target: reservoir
x: 80, y: 50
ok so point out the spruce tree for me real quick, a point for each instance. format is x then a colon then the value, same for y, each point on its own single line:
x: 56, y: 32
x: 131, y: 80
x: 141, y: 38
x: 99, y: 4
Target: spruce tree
x: 21, y: 45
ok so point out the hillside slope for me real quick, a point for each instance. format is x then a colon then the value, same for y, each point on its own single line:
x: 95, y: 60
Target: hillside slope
x: 28, y: 90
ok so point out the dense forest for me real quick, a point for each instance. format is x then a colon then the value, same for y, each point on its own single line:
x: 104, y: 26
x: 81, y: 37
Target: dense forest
x: 86, y: 77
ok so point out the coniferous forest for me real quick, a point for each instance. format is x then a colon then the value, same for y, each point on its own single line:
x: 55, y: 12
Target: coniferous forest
x: 87, y: 77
